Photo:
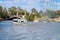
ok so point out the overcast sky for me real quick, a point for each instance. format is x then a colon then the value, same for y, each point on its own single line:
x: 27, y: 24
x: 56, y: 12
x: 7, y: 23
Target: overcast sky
x: 29, y: 4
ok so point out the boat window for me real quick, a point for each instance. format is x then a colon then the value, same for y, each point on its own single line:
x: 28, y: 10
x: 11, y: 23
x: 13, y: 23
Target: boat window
x: 22, y: 21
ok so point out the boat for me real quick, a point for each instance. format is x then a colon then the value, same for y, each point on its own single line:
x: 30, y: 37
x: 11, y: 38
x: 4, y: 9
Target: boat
x: 15, y: 20
x: 19, y: 20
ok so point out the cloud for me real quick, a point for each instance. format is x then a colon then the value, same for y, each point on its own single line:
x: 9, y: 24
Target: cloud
x: 5, y: 0
x: 45, y: 0
x: 27, y: 1
x: 57, y: 3
x: 20, y: 2
x: 28, y: 4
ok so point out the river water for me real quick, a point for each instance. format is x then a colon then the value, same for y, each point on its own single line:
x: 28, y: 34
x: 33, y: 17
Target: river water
x: 29, y: 31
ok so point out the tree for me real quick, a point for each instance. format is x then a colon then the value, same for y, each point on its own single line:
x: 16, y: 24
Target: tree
x: 27, y: 17
x: 35, y: 14
x: 9, y: 12
x: 41, y: 13
x: 21, y: 12
x: 13, y: 10
x: 50, y: 13
x: 58, y: 13
x: 0, y: 10
x: 5, y: 13
x: 34, y: 11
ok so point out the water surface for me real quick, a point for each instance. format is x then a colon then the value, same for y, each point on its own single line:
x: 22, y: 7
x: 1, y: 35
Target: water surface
x: 29, y: 31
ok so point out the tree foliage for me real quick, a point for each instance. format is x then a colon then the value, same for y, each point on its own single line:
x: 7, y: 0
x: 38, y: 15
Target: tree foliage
x: 13, y: 10
x: 0, y: 10
x: 50, y: 13
x: 58, y: 13
x: 34, y: 14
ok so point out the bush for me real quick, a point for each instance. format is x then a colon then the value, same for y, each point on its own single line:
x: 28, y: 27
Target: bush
x: 1, y: 19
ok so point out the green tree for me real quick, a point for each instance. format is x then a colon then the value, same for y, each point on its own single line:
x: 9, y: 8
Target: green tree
x: 35, y: 15
x: 20, y: 11
x: 33, y: 10
x: 1, y: 10
x: 50, y: 13
x: 40, y: 13
x: 5, y: 13
x: 27, y: 16
x: 13, y: 10
x: 58, y: 13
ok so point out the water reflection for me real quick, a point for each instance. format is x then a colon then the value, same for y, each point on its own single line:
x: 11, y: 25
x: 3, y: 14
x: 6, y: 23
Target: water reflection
x: 29, y: 31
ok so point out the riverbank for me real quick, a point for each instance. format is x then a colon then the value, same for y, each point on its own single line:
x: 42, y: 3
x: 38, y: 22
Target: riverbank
x: 50, y: 19
x: 1, y: 19
x: 55, y: 20
x: 41, y: 20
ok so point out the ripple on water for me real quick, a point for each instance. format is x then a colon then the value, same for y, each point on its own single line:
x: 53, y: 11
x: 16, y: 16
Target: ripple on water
x: 31, y: 31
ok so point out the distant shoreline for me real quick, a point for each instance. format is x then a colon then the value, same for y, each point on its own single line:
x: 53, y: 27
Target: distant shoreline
x: 51, y: 20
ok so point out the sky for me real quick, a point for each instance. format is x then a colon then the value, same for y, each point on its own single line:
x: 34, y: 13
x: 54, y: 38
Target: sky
x: 29, y: 4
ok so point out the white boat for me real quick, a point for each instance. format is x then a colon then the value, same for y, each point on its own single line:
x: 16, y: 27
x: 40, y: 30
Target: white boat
x: 15, y: 20
x: 19, y: 20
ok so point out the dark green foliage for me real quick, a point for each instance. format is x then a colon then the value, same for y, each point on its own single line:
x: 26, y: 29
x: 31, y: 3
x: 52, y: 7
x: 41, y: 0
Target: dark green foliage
x: 58, y: 13
x: 31, y: 17
x: 0, y: 11
x: 21, y: 12
x: 13, y: 10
